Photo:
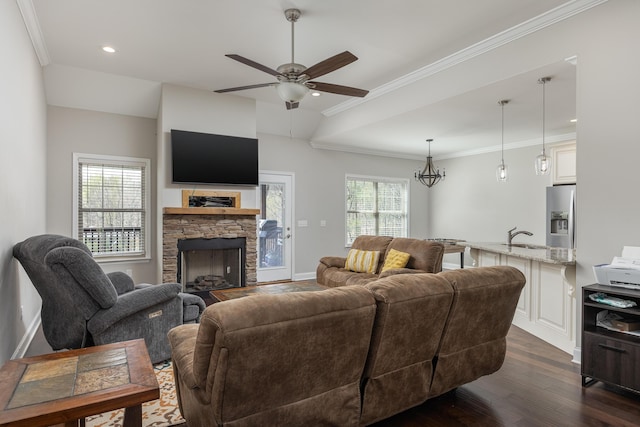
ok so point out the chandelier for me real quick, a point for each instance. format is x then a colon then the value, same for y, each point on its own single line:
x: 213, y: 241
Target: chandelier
x: 429, y: 176
x: 543, y: 162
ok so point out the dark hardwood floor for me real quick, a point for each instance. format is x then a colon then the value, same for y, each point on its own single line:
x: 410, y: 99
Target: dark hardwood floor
x: 538, y: 385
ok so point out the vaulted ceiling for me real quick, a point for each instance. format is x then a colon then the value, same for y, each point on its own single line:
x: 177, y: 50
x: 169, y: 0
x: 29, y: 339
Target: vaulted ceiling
x: 399, y: 44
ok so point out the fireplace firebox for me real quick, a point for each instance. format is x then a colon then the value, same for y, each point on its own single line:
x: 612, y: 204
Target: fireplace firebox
x: 206, y: 264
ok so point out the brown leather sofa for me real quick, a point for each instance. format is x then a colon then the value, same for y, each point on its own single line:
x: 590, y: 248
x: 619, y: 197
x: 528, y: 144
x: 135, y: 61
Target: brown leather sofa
x: 426, y: 257
x: 348, y: 356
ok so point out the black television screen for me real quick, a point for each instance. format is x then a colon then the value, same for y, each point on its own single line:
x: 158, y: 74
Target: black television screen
x: 204, y: 158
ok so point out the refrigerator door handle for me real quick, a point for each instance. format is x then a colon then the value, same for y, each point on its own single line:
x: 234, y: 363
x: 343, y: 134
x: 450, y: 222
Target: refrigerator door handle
x: 572, y: 219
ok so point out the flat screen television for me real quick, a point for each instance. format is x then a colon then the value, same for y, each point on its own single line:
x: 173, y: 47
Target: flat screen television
x: 204, y: 158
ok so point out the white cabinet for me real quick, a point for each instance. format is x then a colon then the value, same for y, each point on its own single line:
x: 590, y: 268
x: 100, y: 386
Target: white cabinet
x: 547, y: 304
x: 564, y: 163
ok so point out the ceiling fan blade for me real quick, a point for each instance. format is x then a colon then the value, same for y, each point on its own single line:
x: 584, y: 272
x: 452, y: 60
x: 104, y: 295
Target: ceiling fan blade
x: 253, y: 64
x: 291, y: 105
x: 233, y: 89
x: 340, y: 90
x: 330, y: 64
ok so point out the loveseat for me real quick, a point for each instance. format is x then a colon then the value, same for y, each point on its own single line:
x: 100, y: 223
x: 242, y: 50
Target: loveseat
x: 344, y: 356
x: 411, y: 256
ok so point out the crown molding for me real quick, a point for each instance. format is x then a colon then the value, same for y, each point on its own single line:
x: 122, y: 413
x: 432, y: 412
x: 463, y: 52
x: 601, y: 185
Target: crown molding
x: 35, y: 32
x: 406, y: 156
x: 549, y: 140
x: 523, y: 29
x: 364, y: 151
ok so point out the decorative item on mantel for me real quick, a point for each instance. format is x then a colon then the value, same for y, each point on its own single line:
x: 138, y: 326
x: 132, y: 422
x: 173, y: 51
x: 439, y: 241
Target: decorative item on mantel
x: 543, y: 162
x: 501, y: 170
x: 204, y: 202
x: 429, y: 176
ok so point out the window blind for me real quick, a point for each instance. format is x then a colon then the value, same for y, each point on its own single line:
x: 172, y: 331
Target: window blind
x: 376, y: 206
x: 112, y: 207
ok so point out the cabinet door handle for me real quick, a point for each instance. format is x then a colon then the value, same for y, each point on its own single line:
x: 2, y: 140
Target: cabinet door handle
x: 612, y: 348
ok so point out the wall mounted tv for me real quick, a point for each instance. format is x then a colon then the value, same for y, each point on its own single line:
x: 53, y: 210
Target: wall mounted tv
x: 204, y: 158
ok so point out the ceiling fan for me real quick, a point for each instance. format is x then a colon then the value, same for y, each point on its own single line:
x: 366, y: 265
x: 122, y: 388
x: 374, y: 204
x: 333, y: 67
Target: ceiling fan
x: 294, y: 80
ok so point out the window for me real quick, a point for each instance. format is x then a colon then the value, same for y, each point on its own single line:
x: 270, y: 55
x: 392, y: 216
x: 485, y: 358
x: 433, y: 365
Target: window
x: 376, y: 206
x: 111, y: 203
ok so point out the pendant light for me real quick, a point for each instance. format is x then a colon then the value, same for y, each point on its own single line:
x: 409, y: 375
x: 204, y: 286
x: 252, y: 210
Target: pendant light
x: 543, y: 162
x: 429, y: 176
x: 501, y: 170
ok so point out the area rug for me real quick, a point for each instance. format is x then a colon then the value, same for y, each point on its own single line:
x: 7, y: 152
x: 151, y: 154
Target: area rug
x: 162, y: 412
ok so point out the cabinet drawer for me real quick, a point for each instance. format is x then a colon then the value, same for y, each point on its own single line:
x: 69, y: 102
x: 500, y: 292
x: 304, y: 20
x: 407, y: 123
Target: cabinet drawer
x: 610, y: 360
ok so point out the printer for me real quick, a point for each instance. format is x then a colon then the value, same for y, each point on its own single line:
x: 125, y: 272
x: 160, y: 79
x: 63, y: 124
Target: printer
x: 623, y: 271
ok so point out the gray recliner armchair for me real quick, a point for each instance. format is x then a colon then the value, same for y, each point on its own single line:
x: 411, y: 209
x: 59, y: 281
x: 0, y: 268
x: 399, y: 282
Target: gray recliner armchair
x: 83, y: 306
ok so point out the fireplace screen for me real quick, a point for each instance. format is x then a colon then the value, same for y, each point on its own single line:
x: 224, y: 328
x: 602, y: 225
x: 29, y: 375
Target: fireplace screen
x: 209, y: 264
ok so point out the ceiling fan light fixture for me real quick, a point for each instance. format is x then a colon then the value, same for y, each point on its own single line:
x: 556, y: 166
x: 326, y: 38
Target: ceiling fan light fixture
x: 291, y: 91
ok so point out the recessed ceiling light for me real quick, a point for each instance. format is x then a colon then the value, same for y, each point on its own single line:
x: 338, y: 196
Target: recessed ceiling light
x: 108, y: 49
x: 573, y: 120
x: 315, y: 93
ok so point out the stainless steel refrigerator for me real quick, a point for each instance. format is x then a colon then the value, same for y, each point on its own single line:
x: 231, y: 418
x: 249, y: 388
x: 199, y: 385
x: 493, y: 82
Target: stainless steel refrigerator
x: 561, y: 216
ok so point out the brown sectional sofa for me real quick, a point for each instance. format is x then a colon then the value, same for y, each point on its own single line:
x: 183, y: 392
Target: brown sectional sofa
x: 347, y: 356
x: 426, y: 257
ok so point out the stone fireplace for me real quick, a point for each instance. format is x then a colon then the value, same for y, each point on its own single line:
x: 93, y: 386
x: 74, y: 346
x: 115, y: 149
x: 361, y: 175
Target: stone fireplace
x: 193, y: 224
x: 209, y: 264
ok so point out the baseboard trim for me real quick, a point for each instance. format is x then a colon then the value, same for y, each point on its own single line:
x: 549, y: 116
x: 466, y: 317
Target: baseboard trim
x: 25, y: 342
x: 304, y: 276
x: 577, y: 355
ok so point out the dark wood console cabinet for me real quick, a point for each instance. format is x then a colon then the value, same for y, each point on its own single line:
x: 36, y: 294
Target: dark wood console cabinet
x: 610, y: 356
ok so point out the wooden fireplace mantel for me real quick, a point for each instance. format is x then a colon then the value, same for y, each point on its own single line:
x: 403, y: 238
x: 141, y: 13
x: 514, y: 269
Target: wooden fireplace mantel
x: 210, y: 211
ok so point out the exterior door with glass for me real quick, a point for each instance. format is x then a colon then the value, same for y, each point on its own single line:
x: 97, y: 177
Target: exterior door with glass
x: 274, y: 227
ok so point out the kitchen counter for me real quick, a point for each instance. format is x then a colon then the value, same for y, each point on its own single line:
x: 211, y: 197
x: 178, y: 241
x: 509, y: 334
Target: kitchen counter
x: 547, y: 305
x: 544, y: 254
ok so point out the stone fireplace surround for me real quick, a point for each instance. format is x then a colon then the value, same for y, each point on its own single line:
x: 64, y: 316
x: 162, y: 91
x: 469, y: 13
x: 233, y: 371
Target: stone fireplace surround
x: 207, y: 223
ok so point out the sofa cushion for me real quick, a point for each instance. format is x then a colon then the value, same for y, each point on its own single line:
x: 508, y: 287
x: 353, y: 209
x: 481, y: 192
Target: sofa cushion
x: 395, y: 259
x: 425, y: 255
x: 373, y: 243
x: 362, y: 261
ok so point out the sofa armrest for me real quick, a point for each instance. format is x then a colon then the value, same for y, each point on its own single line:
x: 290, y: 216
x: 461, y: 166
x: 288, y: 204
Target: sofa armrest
x: 333, y: 261
x: 394, y: 271
x: 183, y: 343
x: 192, y: 299
x: 132, y: 303
x: 121, y: 281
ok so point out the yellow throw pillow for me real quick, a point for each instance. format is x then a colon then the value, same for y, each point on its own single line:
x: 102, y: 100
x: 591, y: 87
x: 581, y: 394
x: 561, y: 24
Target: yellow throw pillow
x: 362, y: 261
x: 395, y: 259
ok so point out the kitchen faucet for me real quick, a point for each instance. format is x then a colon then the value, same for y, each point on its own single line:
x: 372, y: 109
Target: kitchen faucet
x: 511, y: 234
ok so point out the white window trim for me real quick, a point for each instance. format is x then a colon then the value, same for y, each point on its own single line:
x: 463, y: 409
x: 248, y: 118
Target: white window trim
x: 115, y: 160
x: 405, y: 181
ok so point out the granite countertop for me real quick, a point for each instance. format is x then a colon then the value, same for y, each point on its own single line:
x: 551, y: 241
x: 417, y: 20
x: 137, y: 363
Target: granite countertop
x: 533, y: 252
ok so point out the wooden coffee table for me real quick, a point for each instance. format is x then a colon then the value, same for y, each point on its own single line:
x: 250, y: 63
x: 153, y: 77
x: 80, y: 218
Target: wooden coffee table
x: 280, y: 288
x: 66, y: 387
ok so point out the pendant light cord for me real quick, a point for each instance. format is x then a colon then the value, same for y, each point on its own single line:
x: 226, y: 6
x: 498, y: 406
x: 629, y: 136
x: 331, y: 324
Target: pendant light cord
x: 502, y: 148
x: 543, y: 81
x: 502, y: 104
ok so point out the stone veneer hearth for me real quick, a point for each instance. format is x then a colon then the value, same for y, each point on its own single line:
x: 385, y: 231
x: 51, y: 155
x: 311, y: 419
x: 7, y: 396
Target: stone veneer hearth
x: 191, y: 226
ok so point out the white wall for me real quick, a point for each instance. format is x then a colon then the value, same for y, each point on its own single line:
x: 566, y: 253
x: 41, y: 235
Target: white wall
x: 320, y: 193
x: 22, y: 176
x: 608, y: 129
x: 71, y: 130
x: 472, y: 205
